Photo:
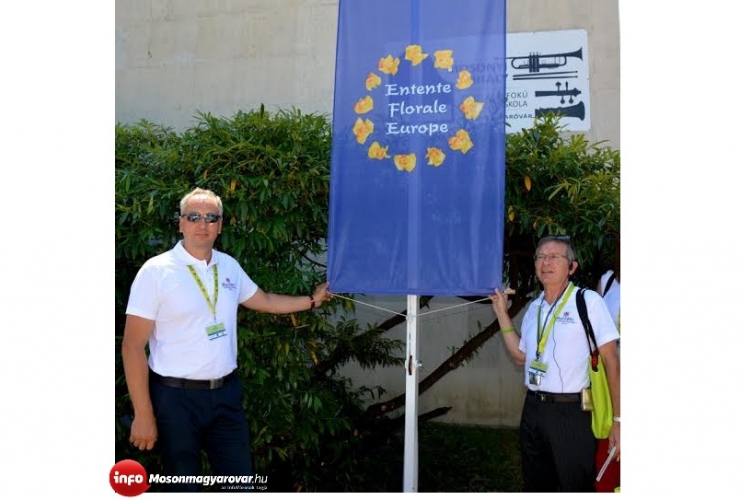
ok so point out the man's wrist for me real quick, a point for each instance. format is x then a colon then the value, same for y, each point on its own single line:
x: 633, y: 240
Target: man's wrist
x: 312, y: 302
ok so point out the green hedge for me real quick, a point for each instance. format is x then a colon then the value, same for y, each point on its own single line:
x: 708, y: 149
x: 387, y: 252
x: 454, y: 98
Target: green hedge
x: 272, y: 173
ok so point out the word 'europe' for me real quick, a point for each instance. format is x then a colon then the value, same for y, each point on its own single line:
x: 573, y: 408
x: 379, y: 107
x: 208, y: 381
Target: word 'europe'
x: 400, y: 109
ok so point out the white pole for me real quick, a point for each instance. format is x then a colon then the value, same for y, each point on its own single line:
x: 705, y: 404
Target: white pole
x: 411, y: 365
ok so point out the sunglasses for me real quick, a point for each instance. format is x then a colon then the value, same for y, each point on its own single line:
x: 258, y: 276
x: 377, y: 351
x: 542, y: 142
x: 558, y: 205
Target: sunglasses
x: 196, y: 217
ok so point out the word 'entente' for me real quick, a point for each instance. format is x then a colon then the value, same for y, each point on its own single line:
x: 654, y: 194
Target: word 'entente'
x: 440, y: 88
x: 401, y: 108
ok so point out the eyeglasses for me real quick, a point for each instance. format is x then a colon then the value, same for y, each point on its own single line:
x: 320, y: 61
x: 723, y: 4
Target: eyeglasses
x: 562, y: 238
x: 555, y: 258
x: 196, y: 217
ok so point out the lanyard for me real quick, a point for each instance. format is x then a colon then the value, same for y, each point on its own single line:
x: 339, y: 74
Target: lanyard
x: 211, y: 305
x: 541, y: 339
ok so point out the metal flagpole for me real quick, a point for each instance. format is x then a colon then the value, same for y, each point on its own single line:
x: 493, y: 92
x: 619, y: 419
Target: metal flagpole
x: 411, y: 365
x: 411, y: 444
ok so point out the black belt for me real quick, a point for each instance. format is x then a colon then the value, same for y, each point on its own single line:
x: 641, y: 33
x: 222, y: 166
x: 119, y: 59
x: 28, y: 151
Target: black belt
x: 186, y: 383
x: 554, y: 397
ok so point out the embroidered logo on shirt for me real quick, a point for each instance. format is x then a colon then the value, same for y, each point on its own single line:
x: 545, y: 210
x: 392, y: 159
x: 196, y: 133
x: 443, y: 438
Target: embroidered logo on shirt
x: 229, y: 285
x: 566, y: 318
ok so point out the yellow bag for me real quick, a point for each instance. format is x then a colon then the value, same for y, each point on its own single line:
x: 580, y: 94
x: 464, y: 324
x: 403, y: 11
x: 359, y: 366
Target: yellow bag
x: 602, y: 415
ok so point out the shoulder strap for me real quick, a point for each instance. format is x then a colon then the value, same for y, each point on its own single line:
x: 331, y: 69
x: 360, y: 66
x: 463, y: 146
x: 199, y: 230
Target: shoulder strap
x: 609, y: 284
x: 584, y: 314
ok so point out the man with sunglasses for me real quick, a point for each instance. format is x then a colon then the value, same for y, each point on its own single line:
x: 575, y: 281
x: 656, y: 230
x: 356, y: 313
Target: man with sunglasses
x: 558, y: 447
x: 183, y: 303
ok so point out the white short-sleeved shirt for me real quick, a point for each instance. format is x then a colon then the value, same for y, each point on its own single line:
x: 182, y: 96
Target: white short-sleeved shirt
x: 612, y: 297
x: 566, y: 352
x: 165, y: 291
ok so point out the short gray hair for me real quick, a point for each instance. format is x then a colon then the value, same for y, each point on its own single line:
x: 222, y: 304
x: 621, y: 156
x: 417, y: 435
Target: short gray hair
x: 570, y: 253
x: 200, y: 192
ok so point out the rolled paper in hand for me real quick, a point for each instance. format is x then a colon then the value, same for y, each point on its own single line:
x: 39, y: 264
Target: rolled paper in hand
x: 606, y: 463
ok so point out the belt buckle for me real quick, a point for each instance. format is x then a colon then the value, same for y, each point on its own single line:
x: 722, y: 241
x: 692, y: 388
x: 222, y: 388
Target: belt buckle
x: 542, y: 397
x: 214, y: 383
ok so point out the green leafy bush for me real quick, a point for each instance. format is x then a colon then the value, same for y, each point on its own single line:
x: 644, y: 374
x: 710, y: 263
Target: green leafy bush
x: 272, y: 173
x: 558, y: 183
x: 309, y: 429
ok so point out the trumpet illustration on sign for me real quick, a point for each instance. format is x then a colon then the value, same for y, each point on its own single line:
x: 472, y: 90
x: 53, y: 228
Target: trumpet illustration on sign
x: 577, y: 111
x: 562, y: 93
x: 535, y: 61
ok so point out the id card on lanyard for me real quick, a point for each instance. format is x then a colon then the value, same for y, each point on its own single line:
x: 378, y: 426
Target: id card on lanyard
x: 215, y: 329
x: 538, y: 370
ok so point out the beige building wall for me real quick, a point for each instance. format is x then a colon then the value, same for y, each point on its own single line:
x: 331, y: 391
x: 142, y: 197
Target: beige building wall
x: 177, y: 57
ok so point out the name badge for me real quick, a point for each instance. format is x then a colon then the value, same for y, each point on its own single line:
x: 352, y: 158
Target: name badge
x: 537, y: 371
x: 215, y: 331
x: 538, y: 366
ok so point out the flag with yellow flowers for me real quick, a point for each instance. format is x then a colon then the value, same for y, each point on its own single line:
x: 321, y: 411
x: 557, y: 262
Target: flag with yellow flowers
x: 418, y: 156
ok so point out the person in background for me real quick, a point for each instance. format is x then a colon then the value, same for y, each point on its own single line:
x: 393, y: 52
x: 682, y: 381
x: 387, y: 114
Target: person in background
x: 558, y: 446
x: 609, y: 288
x: 183, y: 304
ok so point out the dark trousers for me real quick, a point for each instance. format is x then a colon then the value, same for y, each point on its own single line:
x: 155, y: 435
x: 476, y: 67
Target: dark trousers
x: 189, y: 420
x: 558, y: 448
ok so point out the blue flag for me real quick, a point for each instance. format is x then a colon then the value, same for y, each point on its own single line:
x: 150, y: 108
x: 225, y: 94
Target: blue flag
x: 418, y: 160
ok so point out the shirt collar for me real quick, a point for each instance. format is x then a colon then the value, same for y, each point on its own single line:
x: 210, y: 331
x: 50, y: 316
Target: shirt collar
x: 184, y: 256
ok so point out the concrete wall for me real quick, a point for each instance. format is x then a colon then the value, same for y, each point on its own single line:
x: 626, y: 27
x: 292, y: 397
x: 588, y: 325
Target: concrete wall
x: 175, y: 57
x: 487, y: 391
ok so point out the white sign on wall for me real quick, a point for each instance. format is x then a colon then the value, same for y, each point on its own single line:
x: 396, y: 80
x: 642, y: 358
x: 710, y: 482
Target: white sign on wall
x: 547, y: 71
